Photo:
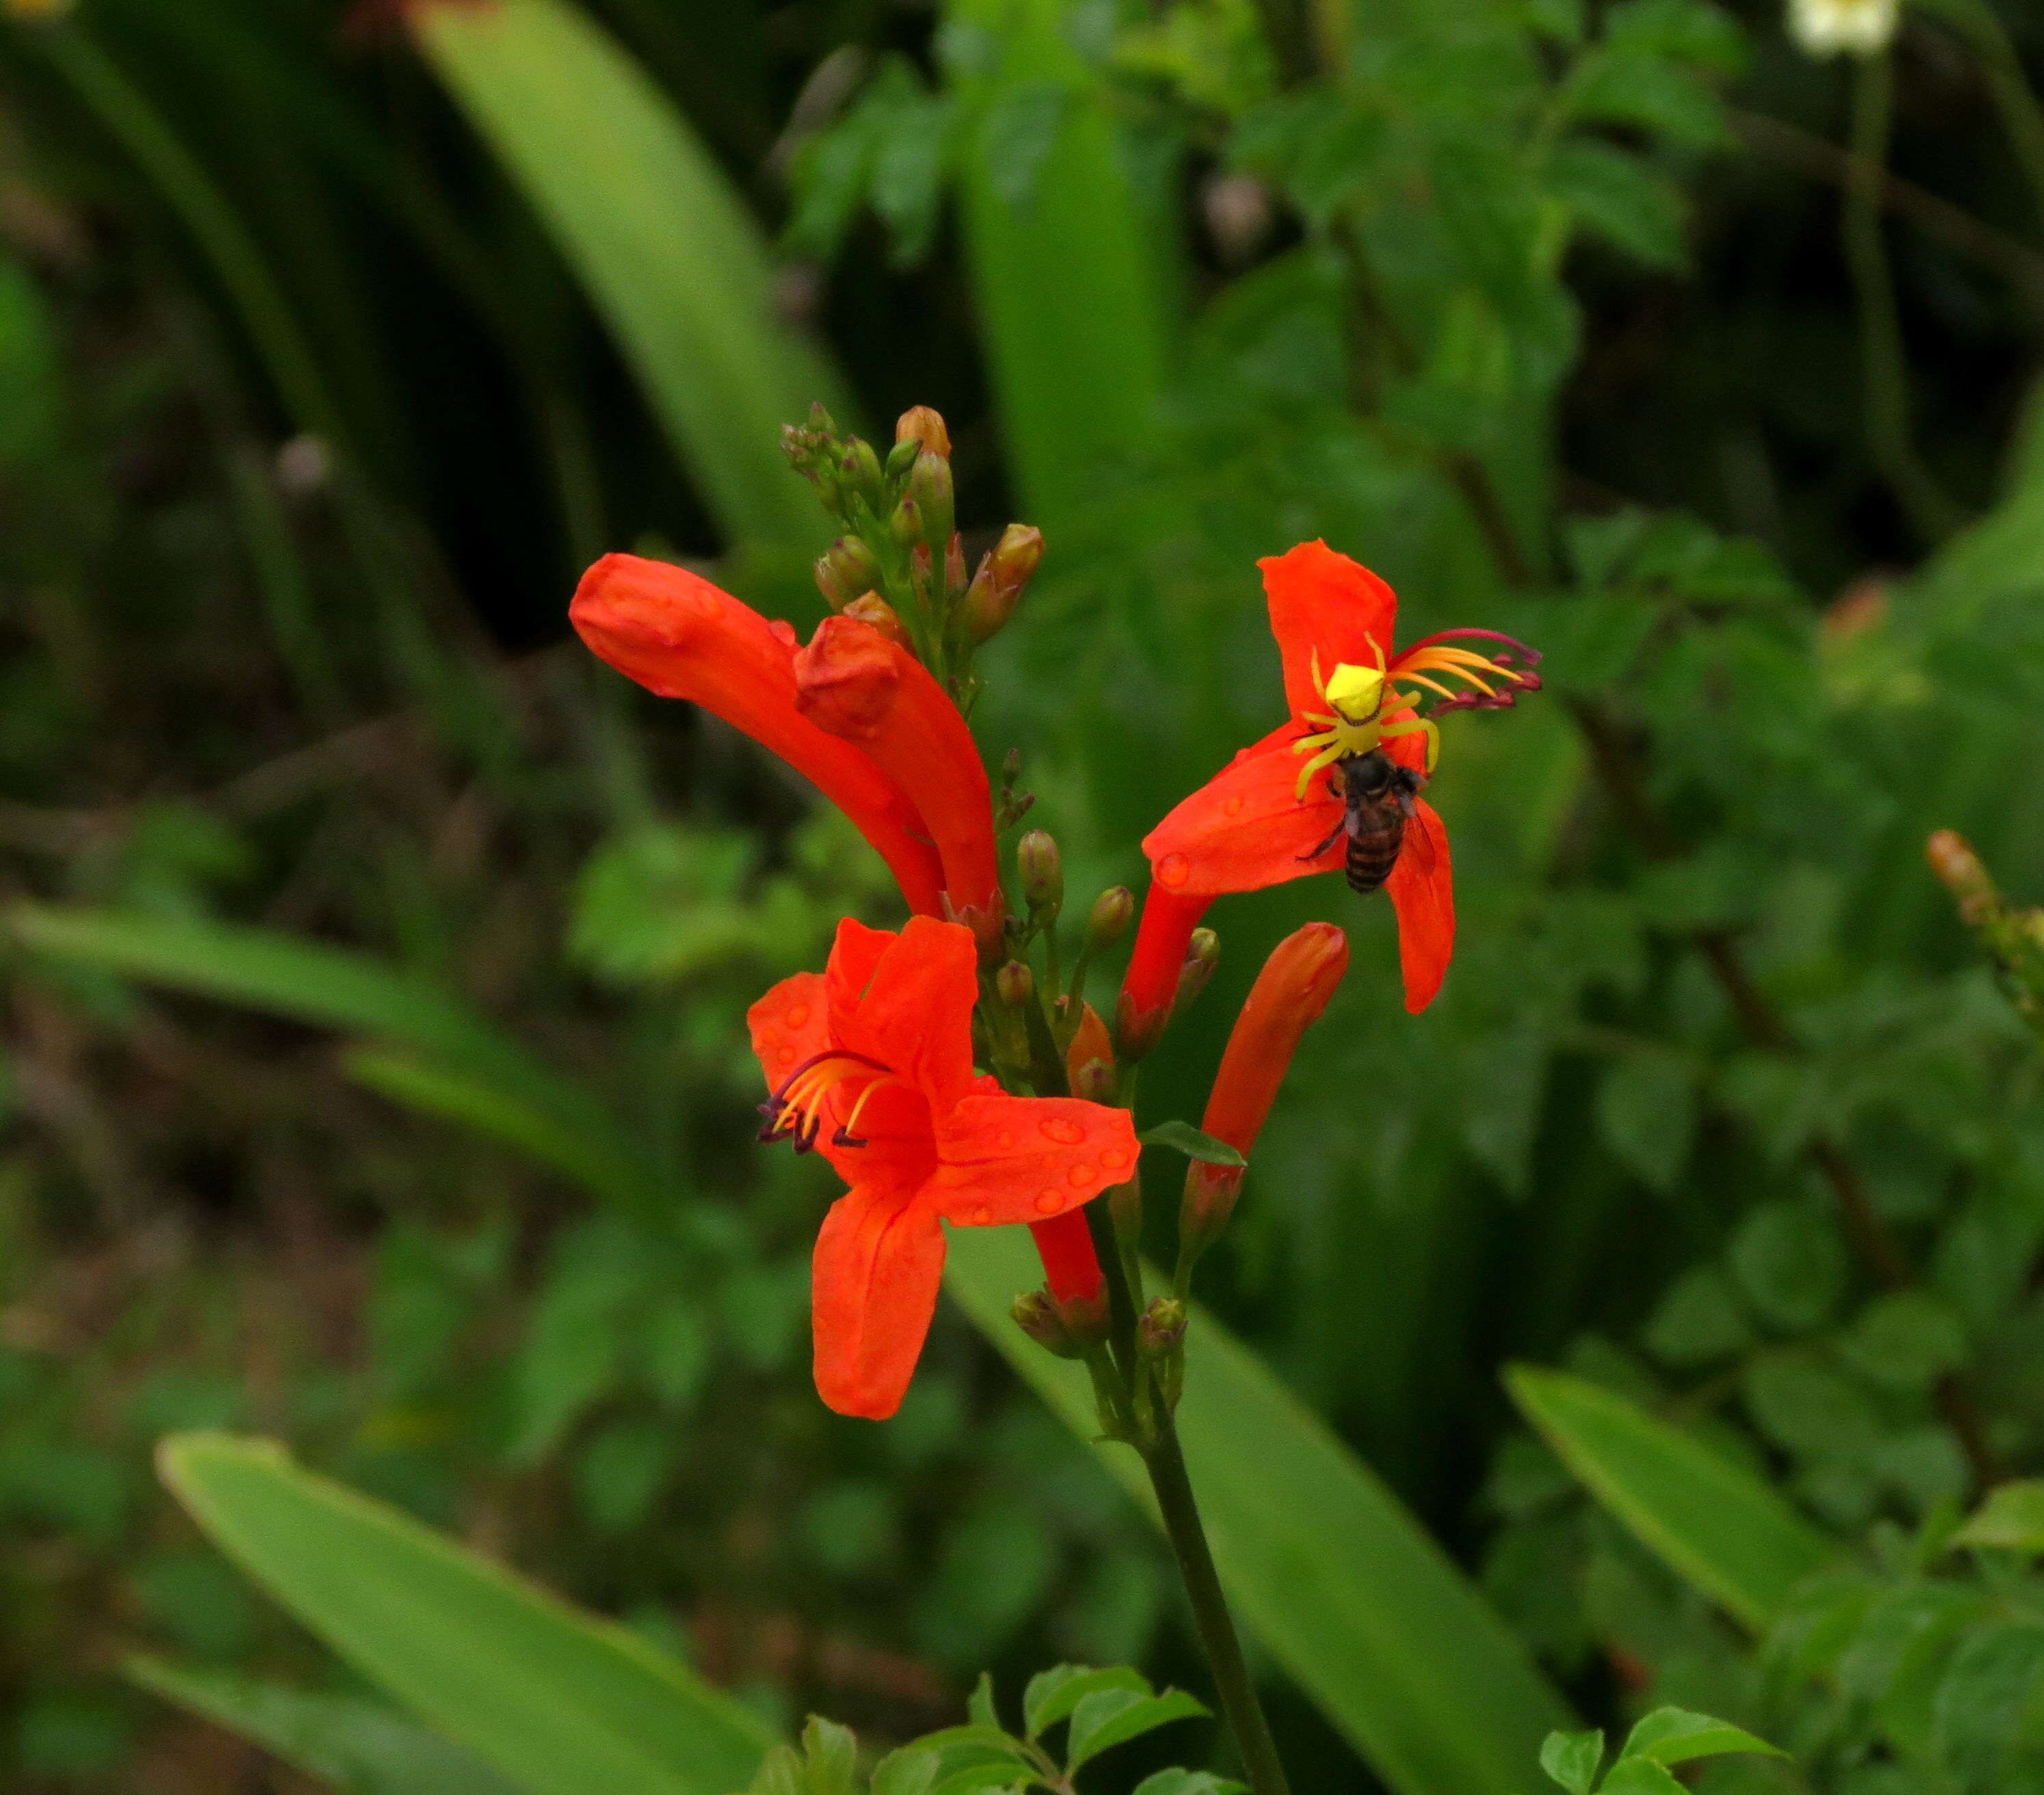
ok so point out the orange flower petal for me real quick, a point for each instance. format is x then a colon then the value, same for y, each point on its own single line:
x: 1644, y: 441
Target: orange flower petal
x: 1027, y: 1158
x: 854, y: 682
x: 678, y: 636
x: 1246, y: 827
x: 1422, y: 890
x: 789, y: 1025
x: 873, y: 1289
x: 915, y: 1015
x: 1323, y: 603
x: 855, y: 952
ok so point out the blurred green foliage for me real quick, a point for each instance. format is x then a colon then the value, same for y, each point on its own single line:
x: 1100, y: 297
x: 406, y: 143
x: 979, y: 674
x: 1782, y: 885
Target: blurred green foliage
x: 320, y: 380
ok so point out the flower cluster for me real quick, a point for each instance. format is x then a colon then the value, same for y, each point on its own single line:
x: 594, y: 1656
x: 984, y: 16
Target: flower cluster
x: 943, y: 1079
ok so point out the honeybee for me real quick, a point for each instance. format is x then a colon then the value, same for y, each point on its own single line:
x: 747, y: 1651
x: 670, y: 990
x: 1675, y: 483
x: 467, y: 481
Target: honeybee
x: 1377, y: 796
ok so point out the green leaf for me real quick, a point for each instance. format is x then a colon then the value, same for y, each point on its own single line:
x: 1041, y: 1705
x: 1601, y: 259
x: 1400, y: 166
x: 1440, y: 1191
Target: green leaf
x: 1346, y: 1592
x: 1787, y: 1261
x: 1112, y: 1716
x: 355, y: 1747
x: 557, y: 1701
x: 832, y: 1752
x: 1674, y: 1736
x: 1646, y: 1111
x: 1052, y: 1694
x: 1571, y: 1759
x: 1715, y: 1525
x: 669, y: 255
x: 331, y: 987
x: 1614, y: 193
x: 1189, y: 1783
x: 2011, y: 1519
x: 1987, y: 1689
x: 979, y: 1705
x: 911, y: 1770
x: 1195, y: 1144
x: 1641, y: 1776
x: 1071, y: 294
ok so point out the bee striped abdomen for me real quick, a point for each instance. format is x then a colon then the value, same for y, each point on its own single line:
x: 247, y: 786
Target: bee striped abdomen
x: 1373, y: 843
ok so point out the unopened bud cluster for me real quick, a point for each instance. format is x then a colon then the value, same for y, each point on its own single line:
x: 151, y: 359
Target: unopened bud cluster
x: 901, y: 565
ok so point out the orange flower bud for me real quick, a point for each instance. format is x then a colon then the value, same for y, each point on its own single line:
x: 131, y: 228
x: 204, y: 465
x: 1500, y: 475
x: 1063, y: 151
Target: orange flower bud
x: 1289, y: 995
x: 926, y: 425
x: 996, y: 588
x: 1960, y: 871
x: 874, y: 610
x: 1089, y: 1047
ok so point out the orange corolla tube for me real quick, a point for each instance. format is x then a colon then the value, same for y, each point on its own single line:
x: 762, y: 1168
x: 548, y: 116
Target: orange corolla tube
x: 680, y: 637
x: 1276, y: 811
x: 862, y: 686
x: 870, y: 1062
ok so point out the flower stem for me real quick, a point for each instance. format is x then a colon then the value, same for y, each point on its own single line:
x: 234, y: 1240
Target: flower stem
x: 1166, y: 1466
x: 1157, y: 1442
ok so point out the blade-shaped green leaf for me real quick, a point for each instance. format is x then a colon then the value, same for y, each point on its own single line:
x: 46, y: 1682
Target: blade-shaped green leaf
x: 662, y: 243
x: 356, y: 1747
x: 1065, y: 263
x: 2012, y: 1518
x: 1713, y: 1523
x: 1674, y: 1735
x: 527, y: 1102
x: 1341, y: 1584
x: 559, y: 1702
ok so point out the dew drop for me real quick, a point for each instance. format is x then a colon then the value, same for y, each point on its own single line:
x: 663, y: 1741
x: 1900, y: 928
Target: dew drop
x: 982, y: 1217
x: 798, y: 1016
x: 785, y: 1057
x: 1112, y: 1158
x: 1049, y: 1201
x: 1174, y: 869
x: 1233, y: 807
x: 1066, y: 1133
x: 1083, y: 1174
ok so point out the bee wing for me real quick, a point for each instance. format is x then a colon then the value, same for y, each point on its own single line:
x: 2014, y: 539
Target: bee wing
x: 1418, y: 846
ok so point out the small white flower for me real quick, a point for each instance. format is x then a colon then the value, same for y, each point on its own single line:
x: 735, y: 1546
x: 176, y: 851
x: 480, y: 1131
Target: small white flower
x: 1826, y: 28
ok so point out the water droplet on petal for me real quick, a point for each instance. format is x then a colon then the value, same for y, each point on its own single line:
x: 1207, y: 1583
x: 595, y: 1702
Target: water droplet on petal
x: 1065, y: 1132
x: 1174, y: 869
x: 785, y: 1057
x: 982, y: 1217
x: 798, y: 1016
x: 1233, y: 807
x: 1112, y: 1158
x: 1082, y: 1174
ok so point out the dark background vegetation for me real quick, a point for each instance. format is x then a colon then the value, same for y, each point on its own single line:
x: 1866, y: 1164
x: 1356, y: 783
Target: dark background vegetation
x: 296, y: 656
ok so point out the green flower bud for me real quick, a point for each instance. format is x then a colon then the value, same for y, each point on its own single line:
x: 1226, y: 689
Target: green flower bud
x: 1016, y: 984
x: 847, y: 570
x: 1042, y: 872
x: 1112, y: 912
x: 930, y: 486
x: 1202, y: 955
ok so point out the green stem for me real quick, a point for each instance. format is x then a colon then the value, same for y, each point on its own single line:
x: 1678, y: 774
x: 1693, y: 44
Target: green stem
x: 1883, y: 360
x: 1166, y: 1465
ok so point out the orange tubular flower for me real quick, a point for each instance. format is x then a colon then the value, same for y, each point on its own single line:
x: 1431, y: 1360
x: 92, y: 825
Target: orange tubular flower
x: 1276, y: 811
x: 855, y: 683
x: 1287, y: 999
x: 870, y: 1062
x: 678, y: 636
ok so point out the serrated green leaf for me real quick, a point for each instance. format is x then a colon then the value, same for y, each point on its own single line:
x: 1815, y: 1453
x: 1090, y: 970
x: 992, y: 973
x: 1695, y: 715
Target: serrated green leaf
x: 910, y: 1770
x: 1572, y: 1758
x: 1674, y: 1736
x: 1112, y: 1716
x: 1641, y: 1776
x: 1195, y: 1144
x: 1053, y: 1694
